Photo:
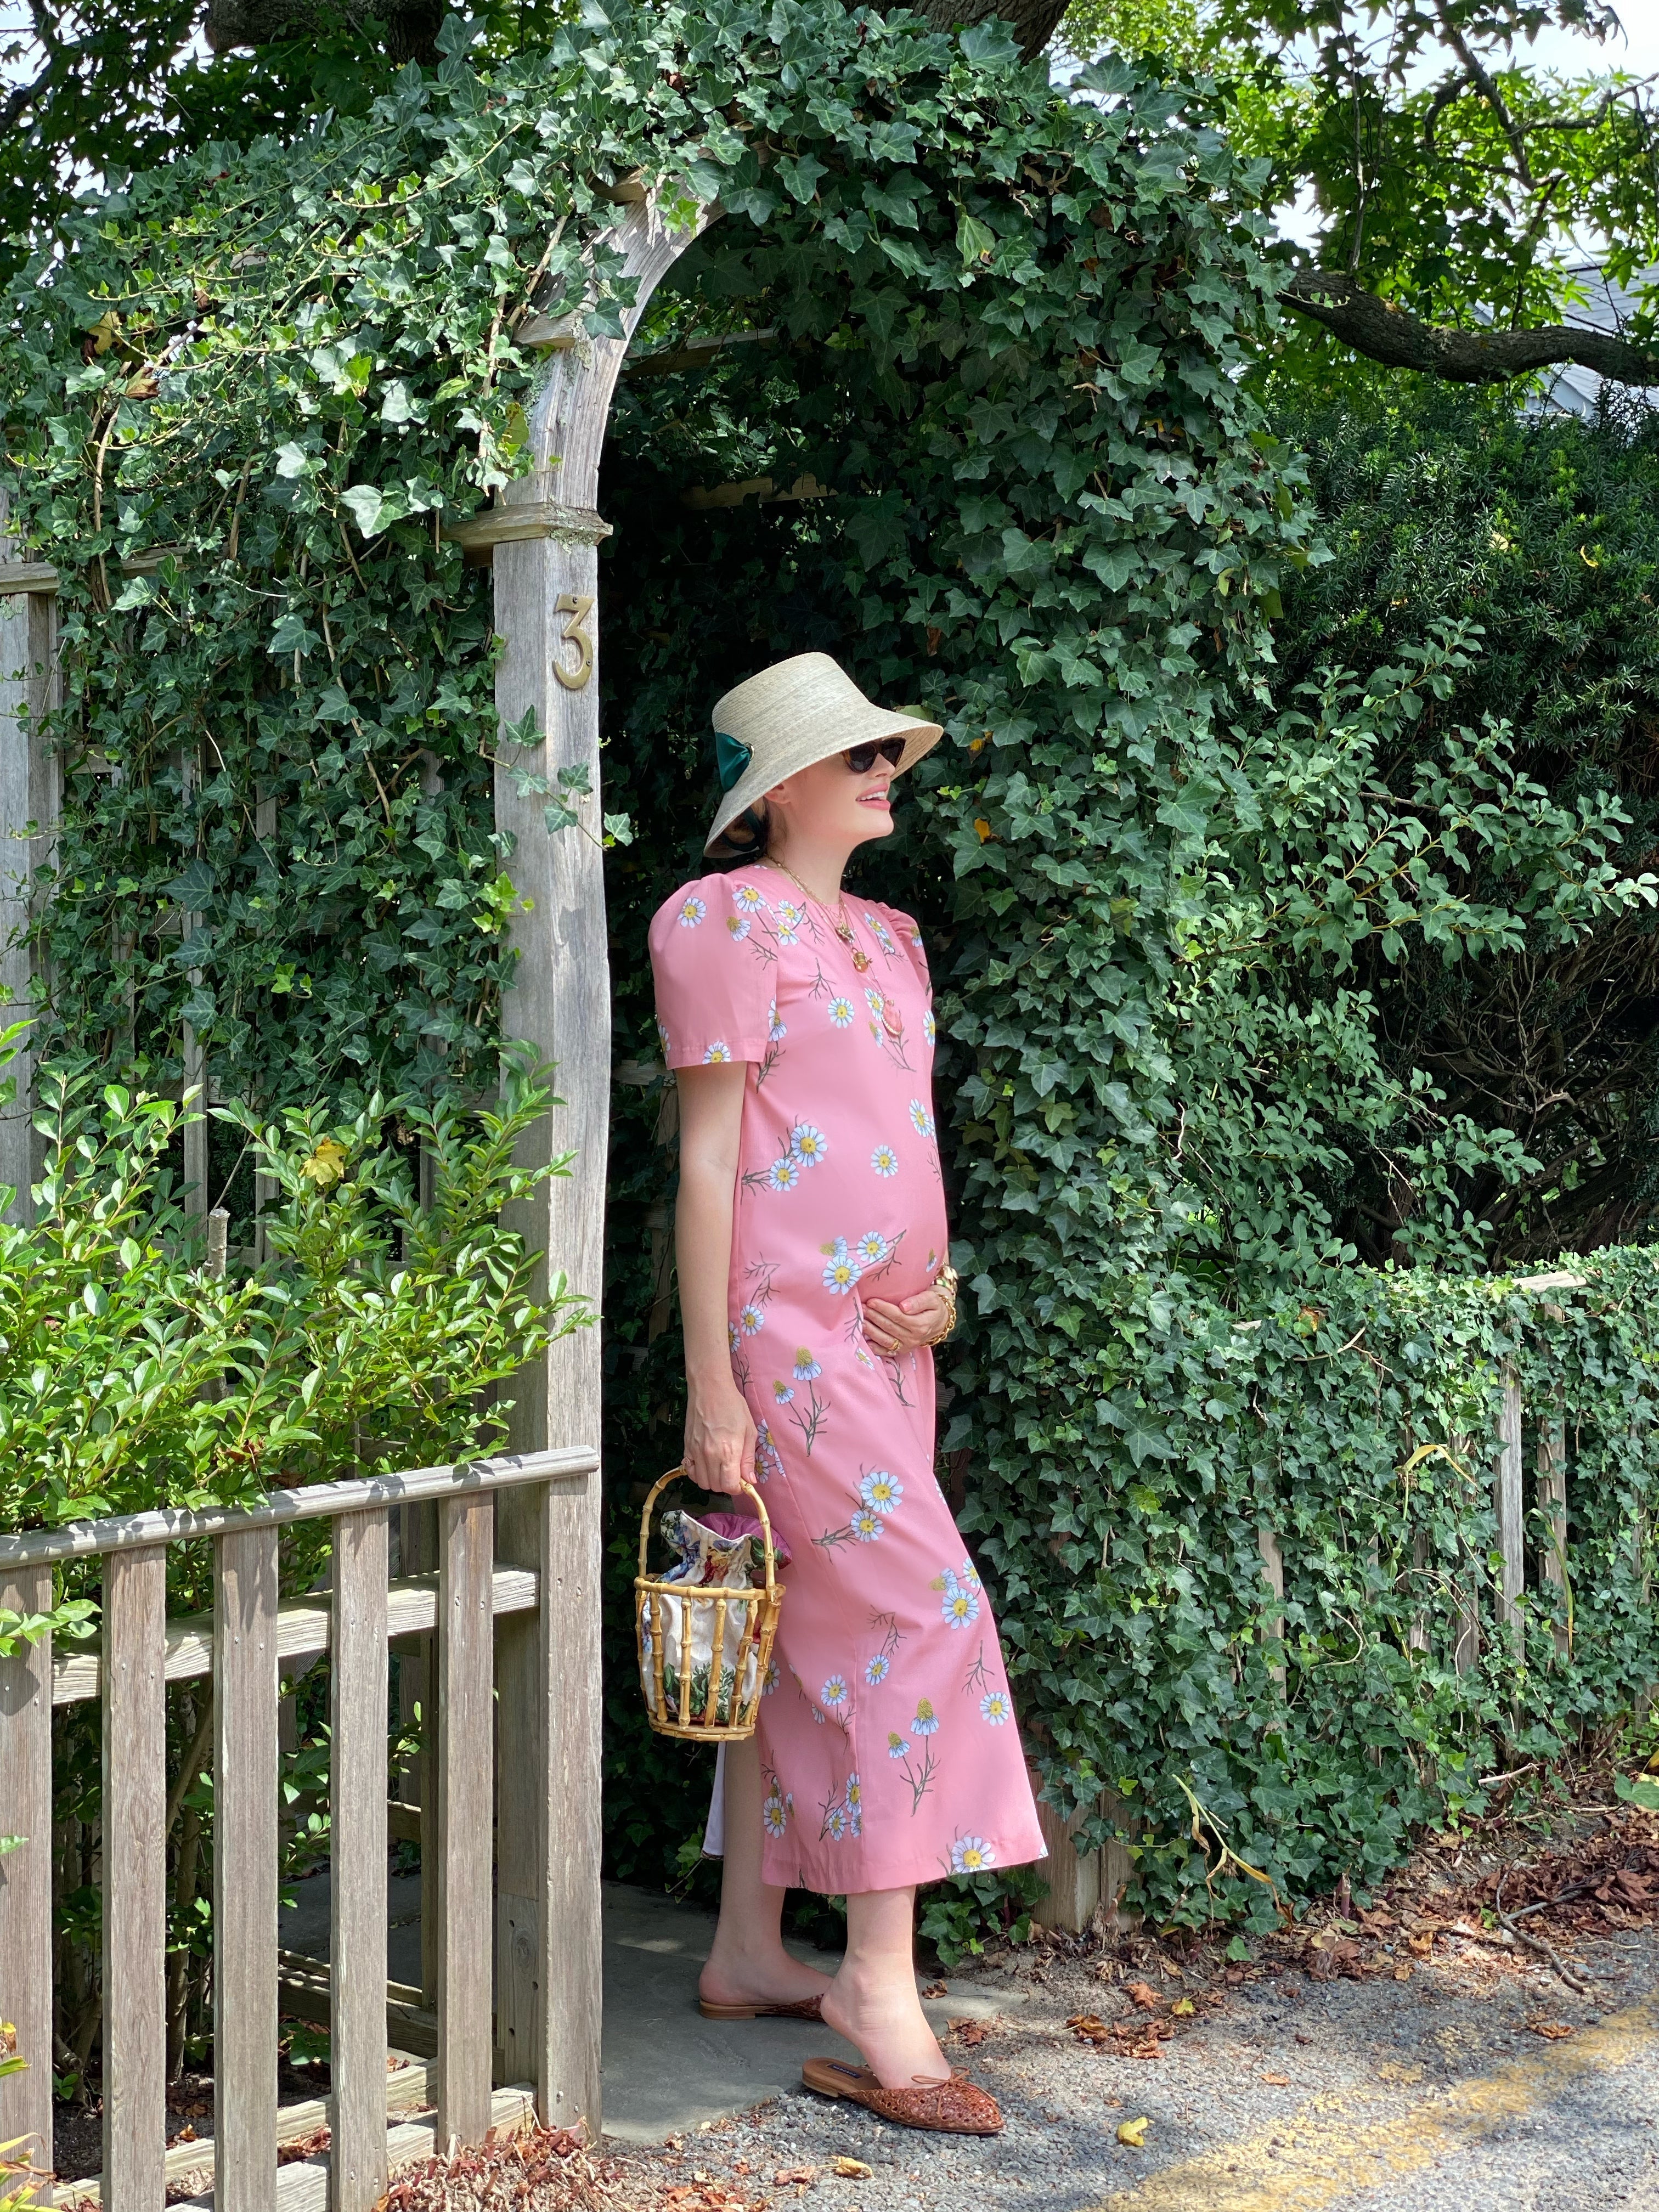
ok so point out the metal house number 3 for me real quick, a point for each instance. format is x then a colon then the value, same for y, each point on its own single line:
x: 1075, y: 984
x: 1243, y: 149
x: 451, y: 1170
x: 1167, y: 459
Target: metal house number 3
x: 576, y: 610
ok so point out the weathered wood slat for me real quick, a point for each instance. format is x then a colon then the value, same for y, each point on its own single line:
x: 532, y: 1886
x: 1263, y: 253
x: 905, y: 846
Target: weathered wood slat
x: 245, y: 1867
x: 26, y: 1874
x: 461, y: 1790
x: 80, y: 1539
x: 306, y: 1989
x: 542, y: 518
x: 1511, y: 1517
x: 134, y: 1880
x: 190, y: 2165
x: 1553, y: 1504
x: 1273, y: 1626
x: 303, y: 2186
x: 1073, y: 1876
x: 360, y: 1690
x: 303, y: 1630
x: 31, y: 784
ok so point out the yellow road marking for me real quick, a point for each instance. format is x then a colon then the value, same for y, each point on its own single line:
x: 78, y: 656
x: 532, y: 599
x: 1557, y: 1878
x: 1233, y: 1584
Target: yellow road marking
x: 1329, y: 2151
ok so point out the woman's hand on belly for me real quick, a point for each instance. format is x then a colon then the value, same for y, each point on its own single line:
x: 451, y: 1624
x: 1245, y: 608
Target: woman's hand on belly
x: 720, y: 1435
x: 907, y: 1326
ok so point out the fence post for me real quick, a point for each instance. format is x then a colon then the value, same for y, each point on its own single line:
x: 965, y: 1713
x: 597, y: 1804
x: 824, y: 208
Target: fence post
x: 245, y: 1870
x: 360, y: 1688
x: 29, y: 784
x: 1511, y: 1515
x: 462, y: 1791
x: 1552, y: 1505
x: 135, y: 1879
x: 25, y: 1872
x: 1466, y: 1645
x: 1272, y: 1628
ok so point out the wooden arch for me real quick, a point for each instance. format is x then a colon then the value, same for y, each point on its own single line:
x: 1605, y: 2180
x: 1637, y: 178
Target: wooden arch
x: 545, y: 534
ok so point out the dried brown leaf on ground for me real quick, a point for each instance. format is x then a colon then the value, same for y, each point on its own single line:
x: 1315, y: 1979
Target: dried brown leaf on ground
x: 1133, y: 2132
x: 1144, y: 1994
x: 1552, y: 2030
x: 970, y: 2034
x: 851, y: 2169
x: 794, y: 2177
x: 553, y: 2163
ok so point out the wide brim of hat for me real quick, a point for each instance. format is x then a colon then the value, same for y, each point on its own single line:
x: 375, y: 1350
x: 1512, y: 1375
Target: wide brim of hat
x: 863, y: 724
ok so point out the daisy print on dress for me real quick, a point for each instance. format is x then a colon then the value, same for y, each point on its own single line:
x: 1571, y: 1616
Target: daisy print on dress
x: 768, y: 1460
x: 920, y: 1770
x: 835, y: 1695
x: 840, y: 1013
x: 719, y: 1055
x: 880, y: 1491
x: 842, y: 1270
x: 995, y: 1707
x: 789, y: 920
x: 866, y: 1524
x: 775, y: 1033
x: 808, y: 1413
x: 778, y: 1805
x: 970, y: 1855
x: 921, y: 1120
x: 692, y: 911
x: 926, y: 1720
x: 878, y: 929
x: 960, y: 1603
x: 884, y: 1160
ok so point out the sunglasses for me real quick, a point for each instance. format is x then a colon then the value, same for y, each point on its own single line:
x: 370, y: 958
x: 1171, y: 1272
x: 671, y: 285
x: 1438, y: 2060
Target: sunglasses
x: 862, y: 758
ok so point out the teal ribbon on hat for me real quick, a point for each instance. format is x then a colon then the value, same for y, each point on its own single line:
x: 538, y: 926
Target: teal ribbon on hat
x: 731, y: 758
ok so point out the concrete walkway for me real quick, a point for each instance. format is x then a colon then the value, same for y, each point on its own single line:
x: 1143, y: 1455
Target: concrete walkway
x: 665, y: 2068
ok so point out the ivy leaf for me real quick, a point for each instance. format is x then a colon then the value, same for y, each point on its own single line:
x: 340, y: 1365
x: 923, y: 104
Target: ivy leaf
x: 976, y: 240
x: 366, y: 503
x: 290, y: 634
x: 1641, y: 1791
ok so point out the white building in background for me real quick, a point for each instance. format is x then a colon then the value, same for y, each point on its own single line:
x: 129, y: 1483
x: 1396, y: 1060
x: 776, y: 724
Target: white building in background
x: 1607, y: 306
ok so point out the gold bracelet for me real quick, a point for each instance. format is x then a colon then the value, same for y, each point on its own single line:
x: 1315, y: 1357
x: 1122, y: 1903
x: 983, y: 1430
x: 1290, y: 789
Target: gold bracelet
x: 947, y: 1283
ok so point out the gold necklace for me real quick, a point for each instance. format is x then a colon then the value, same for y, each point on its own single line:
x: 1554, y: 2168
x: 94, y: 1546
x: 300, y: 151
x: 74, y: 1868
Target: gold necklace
x: 842, y: 926
x: 892, y: 1018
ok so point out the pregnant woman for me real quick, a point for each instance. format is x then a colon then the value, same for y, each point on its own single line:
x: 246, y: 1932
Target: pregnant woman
x: 811, y: 1247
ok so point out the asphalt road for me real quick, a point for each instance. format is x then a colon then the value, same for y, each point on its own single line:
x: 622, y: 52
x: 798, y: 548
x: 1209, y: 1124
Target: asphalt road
x: 1434, y: 2093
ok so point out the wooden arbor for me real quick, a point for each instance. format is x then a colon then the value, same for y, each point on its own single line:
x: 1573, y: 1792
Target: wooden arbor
x: 542, y: 539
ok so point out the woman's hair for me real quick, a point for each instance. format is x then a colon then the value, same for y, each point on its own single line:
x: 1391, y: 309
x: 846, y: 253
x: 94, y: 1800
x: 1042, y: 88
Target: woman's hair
x: 743, y: 839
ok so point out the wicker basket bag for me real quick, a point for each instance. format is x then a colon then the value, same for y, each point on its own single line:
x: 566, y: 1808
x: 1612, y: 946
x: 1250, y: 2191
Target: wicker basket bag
x: 703, y: 1648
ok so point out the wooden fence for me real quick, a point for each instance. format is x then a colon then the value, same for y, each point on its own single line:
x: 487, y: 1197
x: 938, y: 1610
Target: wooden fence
x: 529, y: 1792
x: 1083, y: 1885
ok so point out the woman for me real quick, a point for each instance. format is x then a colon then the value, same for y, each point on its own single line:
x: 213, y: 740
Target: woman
x: 812, y: 1248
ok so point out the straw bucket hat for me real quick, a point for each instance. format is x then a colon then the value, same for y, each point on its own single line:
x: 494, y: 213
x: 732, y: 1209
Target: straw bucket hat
x: 797, y: 712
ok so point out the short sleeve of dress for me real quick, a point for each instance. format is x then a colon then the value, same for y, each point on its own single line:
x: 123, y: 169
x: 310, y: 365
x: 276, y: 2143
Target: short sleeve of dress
x: 909, y: 938
x: 714, y: 1000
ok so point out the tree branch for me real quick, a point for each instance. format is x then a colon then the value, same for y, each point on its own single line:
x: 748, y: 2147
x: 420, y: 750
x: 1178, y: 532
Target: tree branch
x: 1399, y: 340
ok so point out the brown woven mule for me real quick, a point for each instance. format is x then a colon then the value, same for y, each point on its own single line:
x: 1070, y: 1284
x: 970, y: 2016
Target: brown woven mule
x: 952, y: 2107
x: 803, y: 2009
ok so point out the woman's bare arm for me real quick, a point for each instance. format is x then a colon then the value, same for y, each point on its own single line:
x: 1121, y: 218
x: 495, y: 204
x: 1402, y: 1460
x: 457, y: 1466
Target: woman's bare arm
x: 719, y: 1432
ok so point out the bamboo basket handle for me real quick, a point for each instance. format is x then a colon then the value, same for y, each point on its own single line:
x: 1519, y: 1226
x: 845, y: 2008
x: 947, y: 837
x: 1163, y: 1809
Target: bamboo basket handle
x: 749, y: 1490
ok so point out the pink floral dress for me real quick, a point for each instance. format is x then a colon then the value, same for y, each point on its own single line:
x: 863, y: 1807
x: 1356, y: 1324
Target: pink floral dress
x: 887, y: 1736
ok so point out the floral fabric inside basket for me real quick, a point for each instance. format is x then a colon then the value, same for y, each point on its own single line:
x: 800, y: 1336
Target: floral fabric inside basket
x: 721, y: 1551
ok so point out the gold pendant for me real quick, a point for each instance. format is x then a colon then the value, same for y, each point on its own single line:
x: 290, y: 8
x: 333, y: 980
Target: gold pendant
x: 861, y: 959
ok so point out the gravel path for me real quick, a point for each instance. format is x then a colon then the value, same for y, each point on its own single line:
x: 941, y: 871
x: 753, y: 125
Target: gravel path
x: 1280, y: 2092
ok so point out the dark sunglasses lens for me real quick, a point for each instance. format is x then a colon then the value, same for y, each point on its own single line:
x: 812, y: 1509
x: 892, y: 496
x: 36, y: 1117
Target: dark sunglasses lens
x: 862, y: 758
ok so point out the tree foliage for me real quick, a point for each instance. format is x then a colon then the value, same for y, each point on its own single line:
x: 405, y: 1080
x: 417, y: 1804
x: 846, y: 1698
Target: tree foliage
x: 1454, y: 186
x: 1541, y: 532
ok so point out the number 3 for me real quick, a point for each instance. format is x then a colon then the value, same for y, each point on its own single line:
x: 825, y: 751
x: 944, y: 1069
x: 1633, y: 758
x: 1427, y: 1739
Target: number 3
x: 573, y: 634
